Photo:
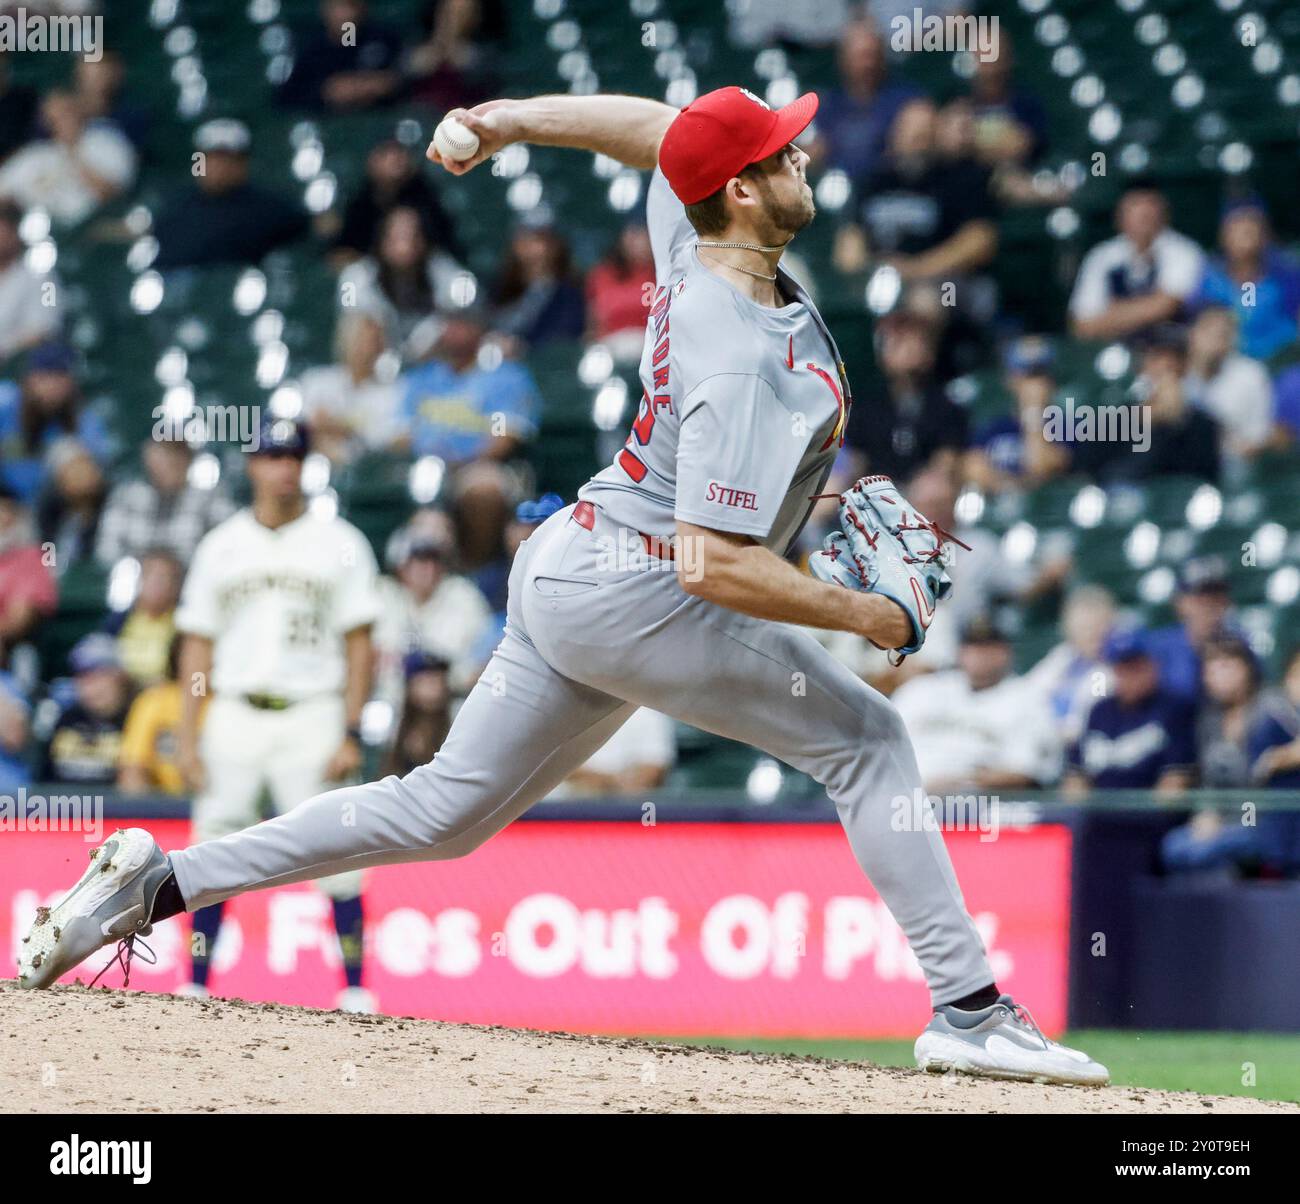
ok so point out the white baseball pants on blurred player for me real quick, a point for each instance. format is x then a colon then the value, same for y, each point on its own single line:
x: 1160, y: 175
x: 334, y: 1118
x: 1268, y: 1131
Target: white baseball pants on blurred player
x: 587, y: 642
x: 246, y: 749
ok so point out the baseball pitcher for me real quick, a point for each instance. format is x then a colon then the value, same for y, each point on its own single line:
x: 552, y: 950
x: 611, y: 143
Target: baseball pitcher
x: 665, y: 586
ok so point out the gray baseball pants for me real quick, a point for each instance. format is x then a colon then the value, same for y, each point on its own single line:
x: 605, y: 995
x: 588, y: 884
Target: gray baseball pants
x: 591, y: 635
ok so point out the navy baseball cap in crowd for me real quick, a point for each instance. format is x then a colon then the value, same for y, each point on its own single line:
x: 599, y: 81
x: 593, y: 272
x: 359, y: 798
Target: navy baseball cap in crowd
x: 98, y: 650
x: 51, y: 357
x: 421, y: 661
x: 1251, y: 202
x: 1030, y: 355
x: 535, y: 512
x: 282, y: 436
x: 1203, y: 575
x: 1125, y: 644
x: 985, y: 629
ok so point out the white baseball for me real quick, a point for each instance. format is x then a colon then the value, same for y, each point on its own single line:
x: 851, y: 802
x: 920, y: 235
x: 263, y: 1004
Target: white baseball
x: 455, y: 140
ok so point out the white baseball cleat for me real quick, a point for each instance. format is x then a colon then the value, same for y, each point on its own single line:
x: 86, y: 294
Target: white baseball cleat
x: 357, y: 1001
x: 1002, y: 1042
x: 112, y: 902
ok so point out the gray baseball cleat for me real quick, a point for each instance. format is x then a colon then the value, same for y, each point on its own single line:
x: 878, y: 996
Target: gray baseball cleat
x: 112, y: 902
x: 1002, y: 1042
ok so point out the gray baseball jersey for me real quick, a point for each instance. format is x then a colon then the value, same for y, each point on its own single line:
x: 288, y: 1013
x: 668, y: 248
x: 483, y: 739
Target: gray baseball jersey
x: 743, y: 406
x: 743, y: 411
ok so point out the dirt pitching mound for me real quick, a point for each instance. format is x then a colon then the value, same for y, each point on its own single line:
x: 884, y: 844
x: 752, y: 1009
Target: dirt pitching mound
x: 181, y: 1055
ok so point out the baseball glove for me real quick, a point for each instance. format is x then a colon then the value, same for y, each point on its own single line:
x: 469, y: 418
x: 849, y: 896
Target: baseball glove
x: 885, y: 546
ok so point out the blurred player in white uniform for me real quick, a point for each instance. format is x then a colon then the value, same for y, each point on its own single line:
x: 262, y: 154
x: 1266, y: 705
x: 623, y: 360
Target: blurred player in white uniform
x: 276, y: 615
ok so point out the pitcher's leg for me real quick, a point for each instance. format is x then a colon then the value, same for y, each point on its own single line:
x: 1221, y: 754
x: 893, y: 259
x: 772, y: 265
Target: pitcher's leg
x: 774, y: 687
x: 522, y: 730
x: 814, y: 714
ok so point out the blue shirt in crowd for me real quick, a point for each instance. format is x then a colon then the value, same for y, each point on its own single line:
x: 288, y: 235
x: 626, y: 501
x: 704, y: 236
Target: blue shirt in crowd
x: 855, y: 130
x: 25, y: 473
x: 456, y: 415
x: 1128, y: 748
x: 1268, y: 324
x: 1286, y: 399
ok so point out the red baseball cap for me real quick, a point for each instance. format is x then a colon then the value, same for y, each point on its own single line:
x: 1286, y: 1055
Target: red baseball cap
x: 718, y: 134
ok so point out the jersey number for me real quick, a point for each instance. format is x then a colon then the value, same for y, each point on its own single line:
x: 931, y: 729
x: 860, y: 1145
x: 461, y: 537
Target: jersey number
x: 642, y: 429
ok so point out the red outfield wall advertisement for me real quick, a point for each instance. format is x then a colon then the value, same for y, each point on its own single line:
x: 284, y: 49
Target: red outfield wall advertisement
x: 680, y: 929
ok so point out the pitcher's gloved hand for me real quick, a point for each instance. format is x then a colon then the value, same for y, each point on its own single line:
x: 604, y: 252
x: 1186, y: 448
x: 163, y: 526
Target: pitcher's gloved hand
x: 885, y: 546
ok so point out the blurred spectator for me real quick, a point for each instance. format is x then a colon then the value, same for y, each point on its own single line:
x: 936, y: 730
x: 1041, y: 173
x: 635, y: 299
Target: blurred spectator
x: 18, y: 108
x: 1286, y: 407
x: 27, y: 311
x: 85, y: 737
x: 1013, y: 451
x: 1275, y: 738
x: 352, y: 404
x: 1167, y: 435
x: 1231, y: 679
x: 619, y: 290
x: 452, y: 66
x: 979, y: 726
x: 45, y: 407
x: 393, y: 180
x: 918, y: 215
x: 1140, y: 737
x: 426, y: 607
x: 219, y: 217
x: 910, y: 424
x: 405, y: 285
x: 1259, y: 282
x: 1233, y: 389
x: 425, y: 713
x: 1203, y: 605
x: 636, y: 758
x: 475, y: 412
x: 1010, y: 122
x: 145, y: 632
x: 69, y: 509
x: 73, y: 171
x: 1267, y: 841
x: 1141, y: 277
x: 147, y: 762
x: 161, y: 510
x: 15, y: 716
x: 345, y: 62
x: 854, y: 116
x: 98, y: 87
x: 1072, y: 676
x: 767, y: 22
x: 27, y: 587
x: 537, y: 298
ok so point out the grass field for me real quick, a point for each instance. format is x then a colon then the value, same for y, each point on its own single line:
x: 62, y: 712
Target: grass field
x: 1214, y: 1063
